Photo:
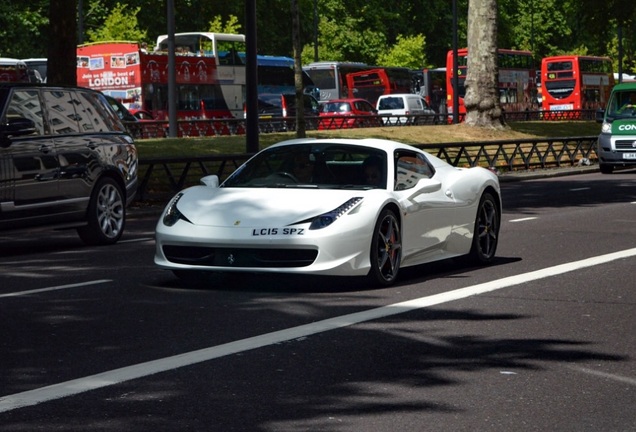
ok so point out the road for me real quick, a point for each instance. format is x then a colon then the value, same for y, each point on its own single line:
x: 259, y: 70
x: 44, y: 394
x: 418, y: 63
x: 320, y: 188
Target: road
x: 543, y: 340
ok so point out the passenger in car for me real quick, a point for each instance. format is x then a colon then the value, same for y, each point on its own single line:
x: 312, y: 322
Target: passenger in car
x: 372, y: 168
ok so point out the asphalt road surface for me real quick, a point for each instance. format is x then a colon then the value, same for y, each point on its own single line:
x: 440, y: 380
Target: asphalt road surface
x: 100, y: 339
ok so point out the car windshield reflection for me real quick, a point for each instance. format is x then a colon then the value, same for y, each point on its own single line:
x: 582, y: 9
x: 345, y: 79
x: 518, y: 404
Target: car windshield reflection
x: 325, y: 166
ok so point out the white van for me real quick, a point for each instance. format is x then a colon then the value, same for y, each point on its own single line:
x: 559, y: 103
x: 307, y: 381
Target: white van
x: 391, y: 106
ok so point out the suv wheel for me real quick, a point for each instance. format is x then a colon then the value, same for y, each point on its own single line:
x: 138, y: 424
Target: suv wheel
x: 106, y: 214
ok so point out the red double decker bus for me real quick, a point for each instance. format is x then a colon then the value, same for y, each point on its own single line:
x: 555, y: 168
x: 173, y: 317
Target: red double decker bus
x: 573, y: 82
x: 517, y: 86
x: 373, y: 83
x: 139, y: 79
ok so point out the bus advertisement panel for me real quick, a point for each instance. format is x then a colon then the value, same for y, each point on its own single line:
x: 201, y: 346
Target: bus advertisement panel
x: 517, y: 87
x: 576, y: 82
x: 123, y: 71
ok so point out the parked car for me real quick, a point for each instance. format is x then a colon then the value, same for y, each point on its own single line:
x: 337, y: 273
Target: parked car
x: 347, y: 113
x: 38, y: 64
x: 342, y: 207
x: 413, y: 107
x: 272, y: 107
x: 66, y: 161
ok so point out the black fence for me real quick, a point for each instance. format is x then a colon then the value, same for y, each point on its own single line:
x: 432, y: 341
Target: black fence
x: 162, y: 177
x: 236, y: 126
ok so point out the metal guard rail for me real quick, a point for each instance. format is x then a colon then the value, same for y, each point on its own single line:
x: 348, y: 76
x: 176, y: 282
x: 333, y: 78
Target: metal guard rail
x: 526, y: 154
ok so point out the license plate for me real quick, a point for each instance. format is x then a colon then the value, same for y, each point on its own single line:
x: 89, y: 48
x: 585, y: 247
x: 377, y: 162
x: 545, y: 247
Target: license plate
x: 564, y: 107
x: 629, y: 155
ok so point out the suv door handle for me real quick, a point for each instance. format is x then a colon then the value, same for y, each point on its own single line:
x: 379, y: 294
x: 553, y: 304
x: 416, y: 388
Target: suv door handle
x: 44, y: 148
x: 92, y: 145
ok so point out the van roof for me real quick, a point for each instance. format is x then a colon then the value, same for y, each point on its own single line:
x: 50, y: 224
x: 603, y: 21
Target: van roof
x: 625, y: 86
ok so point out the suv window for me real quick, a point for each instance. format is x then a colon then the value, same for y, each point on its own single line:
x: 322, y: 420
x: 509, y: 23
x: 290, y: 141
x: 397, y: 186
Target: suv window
x: 26, y: 104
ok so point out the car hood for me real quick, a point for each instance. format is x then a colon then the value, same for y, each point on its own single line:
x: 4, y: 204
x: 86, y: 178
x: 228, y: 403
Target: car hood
x: 255, y: 207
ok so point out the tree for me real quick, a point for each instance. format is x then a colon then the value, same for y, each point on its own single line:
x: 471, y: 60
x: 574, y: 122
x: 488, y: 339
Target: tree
x: 62, y: 43
x: 231, y: 26
x: 301, y: 129
x: 482, y: 97
x: 409, y: 51
x: 120, y: 24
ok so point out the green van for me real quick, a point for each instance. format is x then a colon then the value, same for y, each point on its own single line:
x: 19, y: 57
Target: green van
x: 617, y: 142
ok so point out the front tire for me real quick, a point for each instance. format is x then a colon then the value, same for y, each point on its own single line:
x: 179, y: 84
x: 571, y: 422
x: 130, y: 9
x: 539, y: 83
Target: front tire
x: 386, y: 249
x: 486, y: 232
x: 106, y: 214
x: 606, y: 169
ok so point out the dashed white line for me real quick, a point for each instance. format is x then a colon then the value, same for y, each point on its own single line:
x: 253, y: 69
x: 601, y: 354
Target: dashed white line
x: 108, y: 378
x: 524, y: 219
x: 55, y: 288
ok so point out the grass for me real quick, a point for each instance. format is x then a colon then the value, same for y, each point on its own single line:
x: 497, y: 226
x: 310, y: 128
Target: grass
x: 172, y: 147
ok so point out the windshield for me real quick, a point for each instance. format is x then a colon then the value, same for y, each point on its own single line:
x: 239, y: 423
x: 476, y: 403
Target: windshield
x: 328, y: 166
x: 622, y: 104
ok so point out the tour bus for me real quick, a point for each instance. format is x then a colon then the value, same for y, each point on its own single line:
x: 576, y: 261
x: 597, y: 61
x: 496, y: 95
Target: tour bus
x: 226, y: 50
x: 13, y: 70
x: 331, y: 80
x: 123, y: 71
x: 517, y: 87
x: 275, y: 73
x: 573, y: 82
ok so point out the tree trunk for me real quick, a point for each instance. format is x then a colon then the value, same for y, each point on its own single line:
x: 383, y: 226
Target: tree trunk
x: 62, y: 47
x: 482, y: 94
x: 301, y: 127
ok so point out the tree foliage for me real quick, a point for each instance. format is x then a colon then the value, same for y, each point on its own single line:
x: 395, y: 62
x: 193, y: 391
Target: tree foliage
x: 371, y: 31
x: 120, y: 24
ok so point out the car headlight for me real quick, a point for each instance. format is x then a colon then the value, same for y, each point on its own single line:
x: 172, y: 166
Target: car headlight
x: 606, y: 127
x: 326, y: 219
x: 172, y: 214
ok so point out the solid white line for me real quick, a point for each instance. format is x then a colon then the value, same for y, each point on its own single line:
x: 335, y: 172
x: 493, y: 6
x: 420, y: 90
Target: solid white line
x: 580, y: 189
x: 523, y: 219
x: 613, y: 377
x: 116, y: 376
x: 55, y: 288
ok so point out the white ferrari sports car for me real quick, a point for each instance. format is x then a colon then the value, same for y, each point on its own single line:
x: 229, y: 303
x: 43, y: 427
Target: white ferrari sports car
x: 343, y: 207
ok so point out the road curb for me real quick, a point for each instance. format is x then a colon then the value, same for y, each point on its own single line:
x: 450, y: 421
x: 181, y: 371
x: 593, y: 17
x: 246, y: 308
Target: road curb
x: 546, y: 173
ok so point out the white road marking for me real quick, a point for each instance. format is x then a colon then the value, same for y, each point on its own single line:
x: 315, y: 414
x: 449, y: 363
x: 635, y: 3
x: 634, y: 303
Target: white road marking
x: 116, y: 376
x: 613, y: 377
x: 137, y: 240
x: 55, y: 288
x: 580, y: 189
x: 523, y: 219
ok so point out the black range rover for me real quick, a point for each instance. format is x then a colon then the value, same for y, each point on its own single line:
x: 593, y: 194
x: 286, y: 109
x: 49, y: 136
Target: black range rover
x: 66, y: 161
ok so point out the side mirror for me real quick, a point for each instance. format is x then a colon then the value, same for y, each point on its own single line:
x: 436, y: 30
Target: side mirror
x: 211, y: 181
x: 600, y: 115
x: 15, y: 126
